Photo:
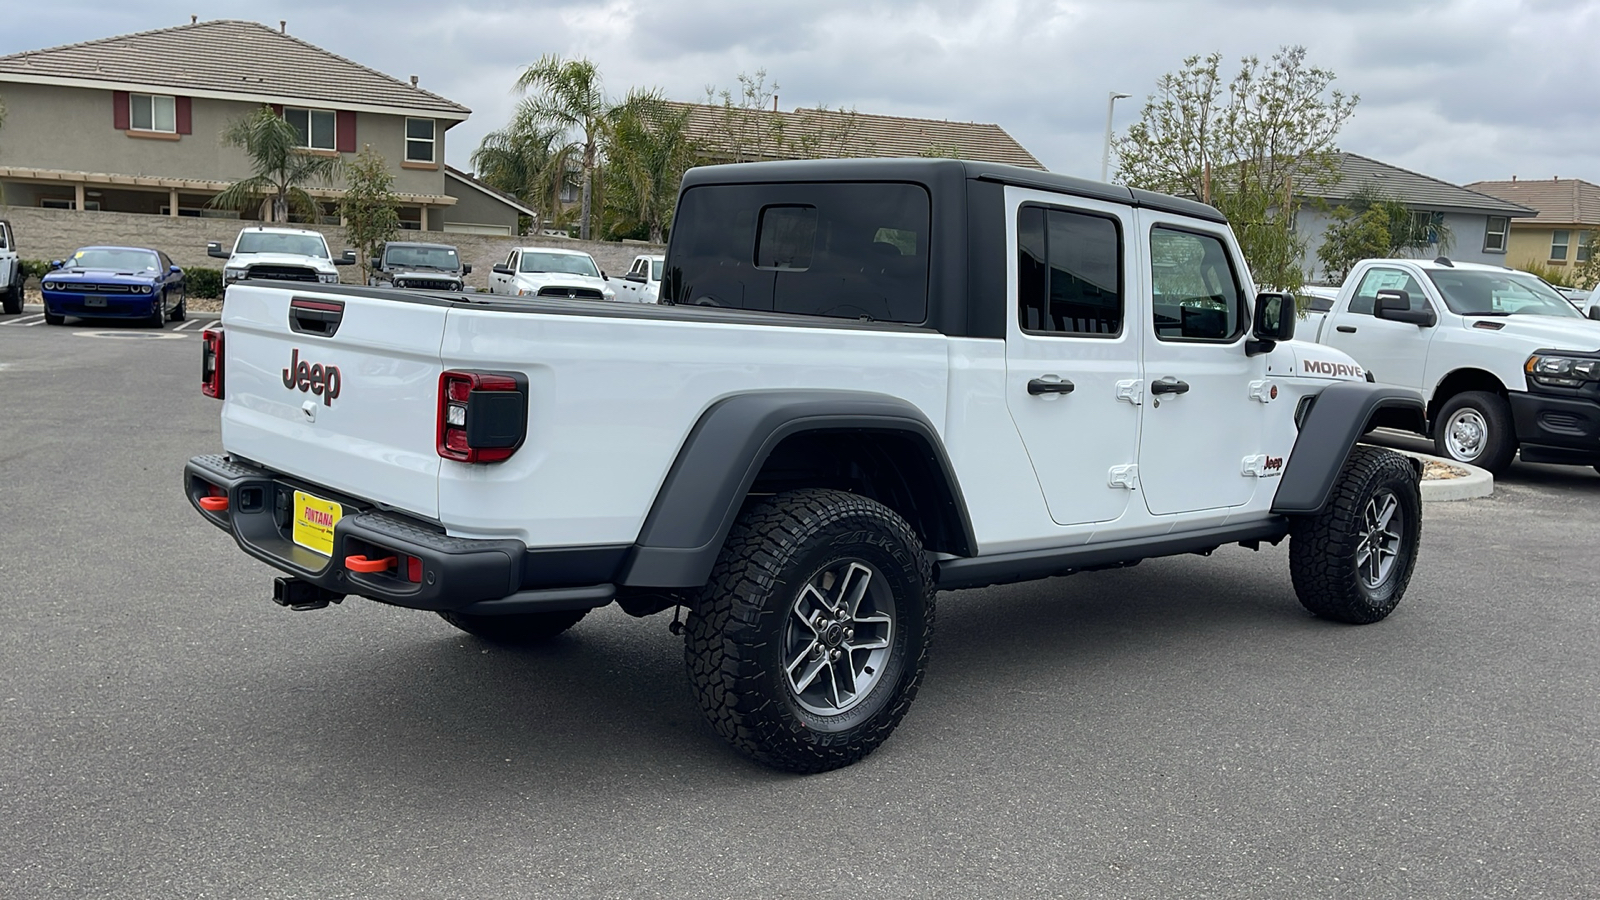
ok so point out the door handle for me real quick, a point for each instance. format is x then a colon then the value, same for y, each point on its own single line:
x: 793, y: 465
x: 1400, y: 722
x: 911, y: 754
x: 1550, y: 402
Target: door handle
x: 1169, y: 385
x: 1345, y: 329
x: 1040, y: 386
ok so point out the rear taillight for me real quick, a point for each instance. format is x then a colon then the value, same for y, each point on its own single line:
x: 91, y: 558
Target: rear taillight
x: 211, y: 363
x: 483, y: 416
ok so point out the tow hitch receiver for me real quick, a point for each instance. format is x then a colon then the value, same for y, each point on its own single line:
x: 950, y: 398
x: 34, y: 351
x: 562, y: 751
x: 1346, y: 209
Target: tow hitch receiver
x: 301, y: 595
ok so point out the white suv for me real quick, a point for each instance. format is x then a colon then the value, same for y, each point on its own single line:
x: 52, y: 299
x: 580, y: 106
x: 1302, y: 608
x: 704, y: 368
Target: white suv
x: 280, y: 254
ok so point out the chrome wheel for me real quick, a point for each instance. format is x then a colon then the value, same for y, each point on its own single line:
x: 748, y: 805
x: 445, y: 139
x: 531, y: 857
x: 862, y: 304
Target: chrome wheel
x: 1382, y: 524
x: 836, y: 642
x: 1465, y: 434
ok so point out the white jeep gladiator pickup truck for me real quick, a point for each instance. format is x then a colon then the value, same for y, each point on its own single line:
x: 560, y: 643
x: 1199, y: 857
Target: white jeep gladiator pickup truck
x: 868, y: 381
x: 280, y: 254
x: 10, y: 271
x: 1501, y: 359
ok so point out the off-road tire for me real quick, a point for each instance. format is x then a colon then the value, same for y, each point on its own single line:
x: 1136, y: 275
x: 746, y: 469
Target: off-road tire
x: 738, y: 633
x: 1324, y: 549
x: 12, y: 301
x: 522, y: 630
x: 1499, y: 443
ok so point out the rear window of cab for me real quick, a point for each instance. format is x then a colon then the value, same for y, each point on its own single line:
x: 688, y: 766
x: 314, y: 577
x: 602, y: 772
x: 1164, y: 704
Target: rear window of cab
x: 852, y: 250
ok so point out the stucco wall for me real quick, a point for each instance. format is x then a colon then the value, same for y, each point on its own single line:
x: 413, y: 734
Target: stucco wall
x: 55, y: 233
x: 473, y: 207
x: 71, y: 129
x: 1468, y: 230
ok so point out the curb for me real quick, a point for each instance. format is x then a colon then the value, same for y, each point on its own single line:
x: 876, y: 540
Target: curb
x: 1477, y: 483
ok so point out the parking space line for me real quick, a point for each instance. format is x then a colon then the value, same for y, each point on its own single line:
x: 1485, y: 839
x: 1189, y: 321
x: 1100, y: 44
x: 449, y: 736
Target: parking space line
x: 27, y: 321
x: 191, y: 323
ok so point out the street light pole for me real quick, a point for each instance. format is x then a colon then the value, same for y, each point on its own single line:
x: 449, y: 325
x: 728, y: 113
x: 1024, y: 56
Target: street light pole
x: 1105, y: 155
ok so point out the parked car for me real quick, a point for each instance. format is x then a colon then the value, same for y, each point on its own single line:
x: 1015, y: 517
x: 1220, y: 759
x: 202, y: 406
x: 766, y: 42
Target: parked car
x: 1503, y: 360
x: 114, y: 283
x: 280, y: 254
x: 423, y: 267
x: 549, y: 272
x: 642, y: 283
x: 10, y: 271
x: 815, y: 434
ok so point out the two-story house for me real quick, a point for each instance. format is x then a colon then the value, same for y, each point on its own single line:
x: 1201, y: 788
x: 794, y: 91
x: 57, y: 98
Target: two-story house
x: 1569, y: 215
x: 133, y: 124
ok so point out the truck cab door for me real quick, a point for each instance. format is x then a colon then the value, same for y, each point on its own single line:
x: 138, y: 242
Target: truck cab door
x: 499, y: 282
x: 1199, y: 420
x: 1072, y: 350
x: 1394, y: 352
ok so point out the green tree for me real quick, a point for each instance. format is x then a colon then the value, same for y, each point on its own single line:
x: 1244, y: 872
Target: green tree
x: 529, y: 160
x: 1372, y: 224
x: 648, y: 149
x: 281, y: 167
x: 569, y: 93
x: 369, y: 208
x: 749, y: 128
x: 1248, y: 146
x: 1586, y: 274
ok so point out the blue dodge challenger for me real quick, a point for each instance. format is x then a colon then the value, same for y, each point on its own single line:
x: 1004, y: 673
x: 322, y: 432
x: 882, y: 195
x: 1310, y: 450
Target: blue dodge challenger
x: 114, y: 283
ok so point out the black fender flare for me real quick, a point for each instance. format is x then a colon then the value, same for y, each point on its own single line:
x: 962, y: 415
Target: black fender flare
x: 706, y: 487
x: 1338, y: 417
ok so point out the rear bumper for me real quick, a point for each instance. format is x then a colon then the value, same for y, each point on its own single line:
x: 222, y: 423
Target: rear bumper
x: 480, y: 577
x: 1557, y: 429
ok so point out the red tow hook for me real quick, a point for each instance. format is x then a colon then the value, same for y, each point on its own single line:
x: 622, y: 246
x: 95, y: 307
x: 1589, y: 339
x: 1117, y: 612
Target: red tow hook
x: 214, y: 504
x: 362, y: 564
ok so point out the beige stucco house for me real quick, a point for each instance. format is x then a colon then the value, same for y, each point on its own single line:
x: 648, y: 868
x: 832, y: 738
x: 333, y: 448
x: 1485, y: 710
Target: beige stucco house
x: 1569, y: 211
x: 132, y: 124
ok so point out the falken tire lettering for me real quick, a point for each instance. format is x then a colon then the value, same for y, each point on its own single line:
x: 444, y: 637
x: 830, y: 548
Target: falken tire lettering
x: 318, y: 379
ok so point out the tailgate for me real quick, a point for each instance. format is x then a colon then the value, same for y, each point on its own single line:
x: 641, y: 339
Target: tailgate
x: 353, y: 410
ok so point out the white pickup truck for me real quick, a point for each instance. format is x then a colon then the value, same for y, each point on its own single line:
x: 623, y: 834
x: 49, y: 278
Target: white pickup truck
x: 550, y: 272
x: 642, y: 282
x: 868, y: 380
x: 1502, y: 360
x: 280, y: 254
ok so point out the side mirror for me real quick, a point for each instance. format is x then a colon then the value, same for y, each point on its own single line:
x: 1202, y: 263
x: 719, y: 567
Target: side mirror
x: 604, y: 276
x: 1594, y: 312
x: 55, y: 264
x: 176, y: 270
x: 503, y: 269
x: 1395, y: 306
x: 1274, y: 321
x: 466, y: 268
x: 374, y: 263
x: 347, y: 259
x: 215, y: 249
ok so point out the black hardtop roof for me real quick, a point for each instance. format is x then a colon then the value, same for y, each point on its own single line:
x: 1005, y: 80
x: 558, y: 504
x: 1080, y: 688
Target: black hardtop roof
x: 388, y: 244
x: 937, y: 171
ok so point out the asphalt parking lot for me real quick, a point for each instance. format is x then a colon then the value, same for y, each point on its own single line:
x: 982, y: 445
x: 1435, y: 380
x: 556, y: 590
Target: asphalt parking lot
x: 1180, y: 729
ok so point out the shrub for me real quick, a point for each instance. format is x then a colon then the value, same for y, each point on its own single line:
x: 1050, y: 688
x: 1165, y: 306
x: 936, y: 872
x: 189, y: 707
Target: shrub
x: 1559, y: 277
x: 203, y: 282
x: 33, y: 268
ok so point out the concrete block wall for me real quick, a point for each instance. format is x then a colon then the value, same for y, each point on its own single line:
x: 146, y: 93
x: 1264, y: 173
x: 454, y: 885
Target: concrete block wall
x: 55, y: 233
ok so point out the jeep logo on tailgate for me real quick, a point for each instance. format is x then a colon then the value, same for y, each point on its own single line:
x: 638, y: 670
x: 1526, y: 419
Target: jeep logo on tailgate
x: 317, y: 378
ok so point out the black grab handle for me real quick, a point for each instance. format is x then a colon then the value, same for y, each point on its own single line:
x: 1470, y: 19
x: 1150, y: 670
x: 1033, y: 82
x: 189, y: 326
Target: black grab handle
x: 1040, y: 386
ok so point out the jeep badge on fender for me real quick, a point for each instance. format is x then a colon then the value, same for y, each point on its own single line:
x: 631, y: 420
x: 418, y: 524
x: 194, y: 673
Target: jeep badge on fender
x: 314, y: 377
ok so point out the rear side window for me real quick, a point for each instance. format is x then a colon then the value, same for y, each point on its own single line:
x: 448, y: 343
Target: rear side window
x: 1069, y: 273
x: 857, y: 250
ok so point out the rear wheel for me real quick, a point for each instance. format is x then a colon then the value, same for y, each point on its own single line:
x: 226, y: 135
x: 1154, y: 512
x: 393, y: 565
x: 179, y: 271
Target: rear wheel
x: 806, y: 647
x: 520, y: 630
x: 1352, y: 561
x: 1474, y: 427
x: 181, y: 311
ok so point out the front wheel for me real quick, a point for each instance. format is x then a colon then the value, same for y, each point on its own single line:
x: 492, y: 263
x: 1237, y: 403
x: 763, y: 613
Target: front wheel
x: 524, y: 629
x: 808, y: 644
x: 1352, y: 561
x: 53, y: 319
x: 1474, y: 427
x: 158, y: 313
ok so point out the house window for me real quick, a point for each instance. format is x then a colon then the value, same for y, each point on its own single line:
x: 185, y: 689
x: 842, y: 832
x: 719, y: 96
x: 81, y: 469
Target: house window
x: 1584, y: 240
x: 1559, y: 239
x: 153, y: 113
x: 313, y: 128
x: 419, y: 140
x: 1494, y: 236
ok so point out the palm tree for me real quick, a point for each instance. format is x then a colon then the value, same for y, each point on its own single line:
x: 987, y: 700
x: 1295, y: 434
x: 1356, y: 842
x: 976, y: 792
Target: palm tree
x: 281, y: 167
x: 647, y: 151
x: 568, y: 93
x: 528, y: 160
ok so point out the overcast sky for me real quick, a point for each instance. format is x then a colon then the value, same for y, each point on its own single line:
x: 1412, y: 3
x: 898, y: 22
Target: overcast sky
x: 1459, y: 89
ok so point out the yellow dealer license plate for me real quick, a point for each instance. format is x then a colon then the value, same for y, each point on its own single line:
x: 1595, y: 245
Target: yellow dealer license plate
x: 314, y: 519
